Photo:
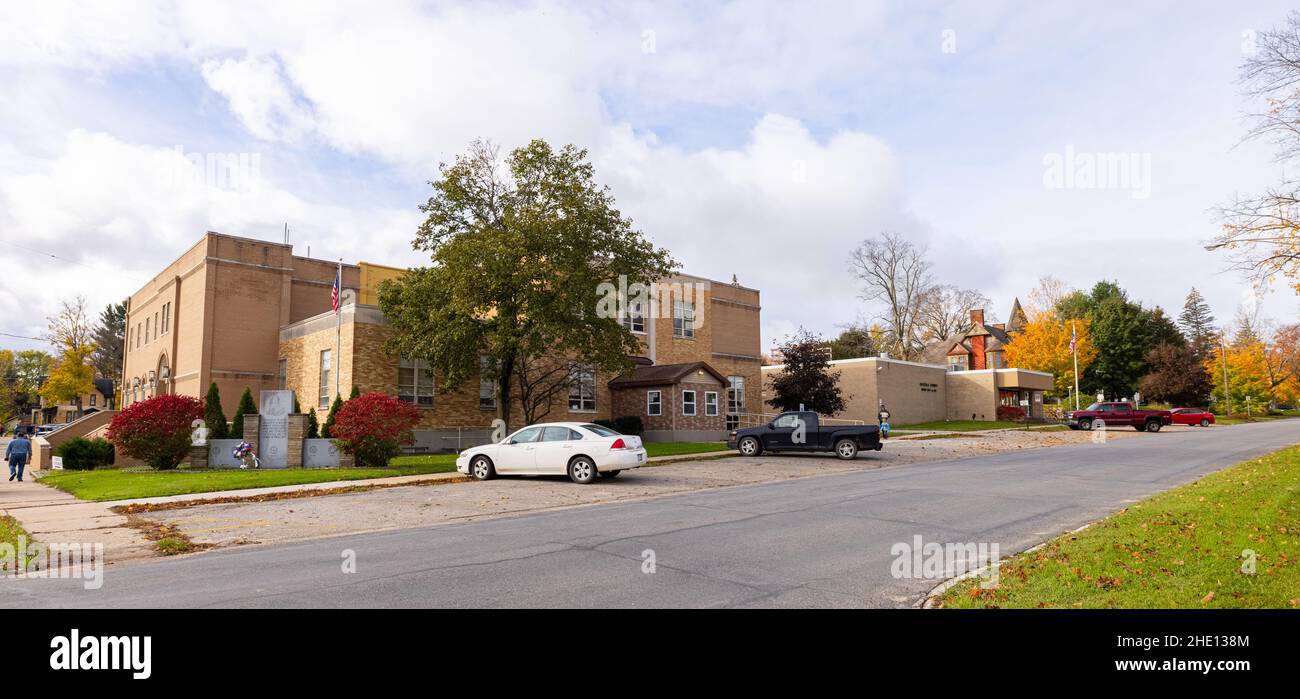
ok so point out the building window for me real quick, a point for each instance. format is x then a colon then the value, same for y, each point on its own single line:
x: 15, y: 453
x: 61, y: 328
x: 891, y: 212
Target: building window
x: 487, y: 386
x: 634, y: 319
x: 167, y: 318
x: 995, y: 360
x: 688, y: 402
x: 582, y: 389
x: 710, y: 403
x: 281, y: 373
x: 415, y: 382
x: 139, y: 332
x: 654, y: 403
x: 326, y: 367
x: 735, y: 395
x: 146, y: 330
x: 683, y: 319
x: 957, y: 363
x: 156, y: 327
x: 92, y: 400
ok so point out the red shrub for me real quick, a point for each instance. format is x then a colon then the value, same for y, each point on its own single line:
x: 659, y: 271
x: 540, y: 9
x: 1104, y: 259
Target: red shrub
x: 373, y: 427
x: 1011, y: 412
x: 156, y: 431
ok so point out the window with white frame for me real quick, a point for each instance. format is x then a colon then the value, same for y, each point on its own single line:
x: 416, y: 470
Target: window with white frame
x: 146, y: 331
x: 654, y: 403
x: 92, y: 400
x: 582, y: 388
x: 688, y: 402
x: 957, y: 362
x: 156, y: 327
x: 415, y: 382
x: 326, y: 368
x: 634, y: 317
x: 710, y: 403
x: 735, y: 394
x: 166, y: 317
x: 487, y: 386
x: 683, y: 318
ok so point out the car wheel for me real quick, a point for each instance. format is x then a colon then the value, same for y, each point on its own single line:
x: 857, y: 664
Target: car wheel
x: 1205, y: 423
x: 609, y: 474
x: 846, y: 449
x: 1085, y: 425
x: 1153, y: 425
x: 481, y: 468
x: 582, y: 470
x: 749, y: 446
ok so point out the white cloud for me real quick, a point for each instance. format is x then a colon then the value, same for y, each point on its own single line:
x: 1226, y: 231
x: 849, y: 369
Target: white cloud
x: 259, y: 96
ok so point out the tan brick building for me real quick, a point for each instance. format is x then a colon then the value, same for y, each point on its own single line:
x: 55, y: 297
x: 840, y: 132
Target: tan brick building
x: 247, y: 313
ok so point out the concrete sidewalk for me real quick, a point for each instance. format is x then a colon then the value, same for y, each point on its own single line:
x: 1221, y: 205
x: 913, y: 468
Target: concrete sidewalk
x: 55, y: 517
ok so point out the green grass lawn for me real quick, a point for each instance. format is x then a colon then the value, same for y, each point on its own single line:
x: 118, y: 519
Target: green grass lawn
x: 126, y: 484
x: 957, y: 425
x: 10, y: 530
x: 654, y: 449
x: 115, y: 484
x: 1180, y: 549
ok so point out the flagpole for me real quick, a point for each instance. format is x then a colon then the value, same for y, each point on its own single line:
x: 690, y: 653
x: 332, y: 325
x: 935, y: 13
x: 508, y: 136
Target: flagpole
x: 1074, y: 350
x: 338, y: 331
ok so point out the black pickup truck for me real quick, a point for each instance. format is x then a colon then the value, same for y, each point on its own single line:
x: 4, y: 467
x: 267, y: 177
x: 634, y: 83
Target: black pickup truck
x: 803, y: 431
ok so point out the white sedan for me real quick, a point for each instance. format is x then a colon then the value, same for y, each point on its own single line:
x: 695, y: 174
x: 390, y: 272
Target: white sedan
x: 581, y: 450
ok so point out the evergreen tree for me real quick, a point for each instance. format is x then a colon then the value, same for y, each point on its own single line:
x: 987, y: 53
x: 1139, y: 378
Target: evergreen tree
x: 246, y: 407
x: 313, y: 426
x: 297, y: 409
x: 213, y: 416
x: 355, y: 393
x: 1197, y: 323
x: 329, y: 419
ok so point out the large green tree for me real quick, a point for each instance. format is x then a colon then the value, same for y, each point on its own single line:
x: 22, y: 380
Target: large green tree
x: 1197, y: 323
x: 1123, y: 333
x: 109, y: 336
x: 519, y: 251
x: 853, y: 342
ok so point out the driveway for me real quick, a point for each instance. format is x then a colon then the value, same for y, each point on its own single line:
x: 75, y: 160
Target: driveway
x: 821, y: 541
x: 280, y: 521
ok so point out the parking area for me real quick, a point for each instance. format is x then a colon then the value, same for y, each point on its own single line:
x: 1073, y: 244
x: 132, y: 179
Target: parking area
x: 424, y: 505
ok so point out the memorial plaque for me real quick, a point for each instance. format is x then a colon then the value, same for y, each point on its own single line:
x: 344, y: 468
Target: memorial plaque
x: 221, y: 453
x: 273, y: 435
x: 320, y: 453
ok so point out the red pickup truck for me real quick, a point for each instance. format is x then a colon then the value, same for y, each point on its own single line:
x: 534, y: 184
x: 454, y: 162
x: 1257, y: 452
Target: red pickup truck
x: 1118, y: 415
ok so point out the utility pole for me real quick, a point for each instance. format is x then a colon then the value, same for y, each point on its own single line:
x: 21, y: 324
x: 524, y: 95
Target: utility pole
x: 1223, y: 354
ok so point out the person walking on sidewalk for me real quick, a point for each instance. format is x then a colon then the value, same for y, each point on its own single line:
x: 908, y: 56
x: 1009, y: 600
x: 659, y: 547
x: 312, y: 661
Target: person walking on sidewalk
x: 17, y: 453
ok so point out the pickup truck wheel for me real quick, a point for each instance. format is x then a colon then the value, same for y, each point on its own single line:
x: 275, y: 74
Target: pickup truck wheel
x: 749, y: 446
x: 1205, y: 422
x: 1085, y: 425
x: 846, y: 449
x: 1153, y: 425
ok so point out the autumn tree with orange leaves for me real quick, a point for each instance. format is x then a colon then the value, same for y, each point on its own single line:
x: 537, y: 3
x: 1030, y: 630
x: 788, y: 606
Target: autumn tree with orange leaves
x: 1044, y: 345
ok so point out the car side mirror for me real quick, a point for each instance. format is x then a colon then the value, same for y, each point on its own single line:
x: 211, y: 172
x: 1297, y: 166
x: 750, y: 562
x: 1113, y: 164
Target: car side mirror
x: 771, y: 425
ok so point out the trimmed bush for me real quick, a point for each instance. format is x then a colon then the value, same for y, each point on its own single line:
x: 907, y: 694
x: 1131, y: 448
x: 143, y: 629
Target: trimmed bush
x: 1013, y: 413
x: 373, y: 427
x: 627, y: 424
x: 313, y: 425
x: 156, y: 431
x: 81, y: 454
x: 328, y: 429
x: 213, y: 416
x: 246, y: 407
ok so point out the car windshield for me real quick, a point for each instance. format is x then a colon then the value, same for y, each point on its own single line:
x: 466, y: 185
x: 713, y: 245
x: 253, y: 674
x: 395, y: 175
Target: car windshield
x: 602, y: 431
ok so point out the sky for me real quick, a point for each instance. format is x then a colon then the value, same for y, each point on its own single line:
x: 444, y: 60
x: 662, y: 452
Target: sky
x: 755, y: 139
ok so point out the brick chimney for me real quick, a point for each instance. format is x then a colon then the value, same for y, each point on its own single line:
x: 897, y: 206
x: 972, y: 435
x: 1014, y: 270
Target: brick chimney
x: 977, y: 316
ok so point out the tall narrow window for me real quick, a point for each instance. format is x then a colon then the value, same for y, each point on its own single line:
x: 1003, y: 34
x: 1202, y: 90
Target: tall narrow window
x: 487, y: 386
x: 683, y: 318
x: 710, y: 403
x: 634, y: 319
x: 167, y: 318
x: 688, y: 402
x: 415, y: 382
x: 654, y: 403
x: 326, y: 368
x: 582, y: 389
x: 156, y: 327
x: 146, y: 330
x: 735, y: 400
x: 282, y: 374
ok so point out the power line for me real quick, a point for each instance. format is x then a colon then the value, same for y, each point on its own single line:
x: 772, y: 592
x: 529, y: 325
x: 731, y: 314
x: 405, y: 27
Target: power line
x: 57, y: 257
x: 23, y: 337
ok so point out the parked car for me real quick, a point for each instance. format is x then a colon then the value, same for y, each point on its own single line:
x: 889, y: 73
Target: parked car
x: 581, y: 450
x: 1117, y: 414
x: 804, y: 431
x: 1192, y: 416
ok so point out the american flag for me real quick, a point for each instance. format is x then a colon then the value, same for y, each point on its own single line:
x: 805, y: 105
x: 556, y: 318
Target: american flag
x: 1072, y: 338
x: 334, y: 292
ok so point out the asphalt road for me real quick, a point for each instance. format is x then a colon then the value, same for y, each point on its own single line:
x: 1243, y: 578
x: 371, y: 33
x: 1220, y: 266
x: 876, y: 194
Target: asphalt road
x: 815, y: 542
